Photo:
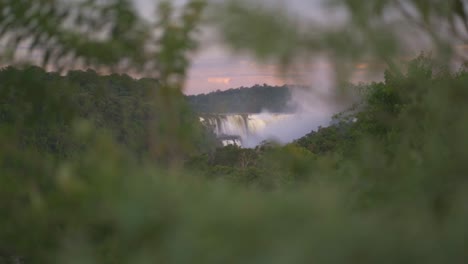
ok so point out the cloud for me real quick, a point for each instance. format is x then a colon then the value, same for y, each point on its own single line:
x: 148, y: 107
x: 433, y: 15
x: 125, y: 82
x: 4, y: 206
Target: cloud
x: 362, y: 66
x: 219, y: 80
x: 461, y: 47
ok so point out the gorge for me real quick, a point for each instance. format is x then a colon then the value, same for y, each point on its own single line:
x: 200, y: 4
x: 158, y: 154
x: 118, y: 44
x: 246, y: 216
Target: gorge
x: 246, y: 130
x: 251, y: 129
x: 248, y: 116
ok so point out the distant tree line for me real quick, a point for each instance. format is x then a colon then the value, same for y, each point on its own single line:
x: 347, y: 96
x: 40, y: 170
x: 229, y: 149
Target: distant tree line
x: 253, y: 99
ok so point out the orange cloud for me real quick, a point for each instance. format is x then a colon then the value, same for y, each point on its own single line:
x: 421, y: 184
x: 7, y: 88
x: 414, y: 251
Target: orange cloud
x: 219, y: 80
x: 463, y: 47
x: 362, y: 66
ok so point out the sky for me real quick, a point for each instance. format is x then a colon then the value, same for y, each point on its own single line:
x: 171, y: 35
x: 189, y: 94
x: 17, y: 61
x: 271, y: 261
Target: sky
x: 215, y: 68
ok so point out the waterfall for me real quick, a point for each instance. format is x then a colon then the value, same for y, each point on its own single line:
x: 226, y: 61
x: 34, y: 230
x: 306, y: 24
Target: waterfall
x: 241, y: 129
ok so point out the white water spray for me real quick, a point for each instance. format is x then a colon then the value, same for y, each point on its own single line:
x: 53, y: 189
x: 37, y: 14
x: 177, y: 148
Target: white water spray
x: 249, y: 130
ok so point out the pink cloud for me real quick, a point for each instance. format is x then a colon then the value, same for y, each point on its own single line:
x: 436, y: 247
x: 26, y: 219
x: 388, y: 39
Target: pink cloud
x: 219, y: 80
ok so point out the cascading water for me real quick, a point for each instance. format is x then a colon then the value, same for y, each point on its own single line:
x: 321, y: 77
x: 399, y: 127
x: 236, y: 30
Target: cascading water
x: 251, y: 129
x: 241, y: 129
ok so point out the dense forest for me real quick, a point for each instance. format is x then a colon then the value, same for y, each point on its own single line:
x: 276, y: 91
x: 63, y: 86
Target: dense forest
x: 109, y: 169
x: 44, y: 116
x: 398, y: 125
x: 256, y: 99
x: 41, y: 110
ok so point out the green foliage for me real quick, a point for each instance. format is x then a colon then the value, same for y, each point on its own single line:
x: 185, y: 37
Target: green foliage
x: 386, y: 183
x: 382, y: 30
x: 101, y: 34
x: 402, y: 130
x: 326, y: 139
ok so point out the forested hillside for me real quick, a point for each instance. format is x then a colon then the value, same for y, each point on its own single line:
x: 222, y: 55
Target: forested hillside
x: 44, y: 107
x: 255, y: 99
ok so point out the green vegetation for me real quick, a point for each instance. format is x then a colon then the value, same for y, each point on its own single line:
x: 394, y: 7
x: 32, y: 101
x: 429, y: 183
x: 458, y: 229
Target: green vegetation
x: 106, y: 169
x: 255, y: 99
x: 396, y: 160
x: 40, y: 110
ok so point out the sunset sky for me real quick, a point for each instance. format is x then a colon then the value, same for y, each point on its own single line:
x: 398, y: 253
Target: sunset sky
x: 214, y: 67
